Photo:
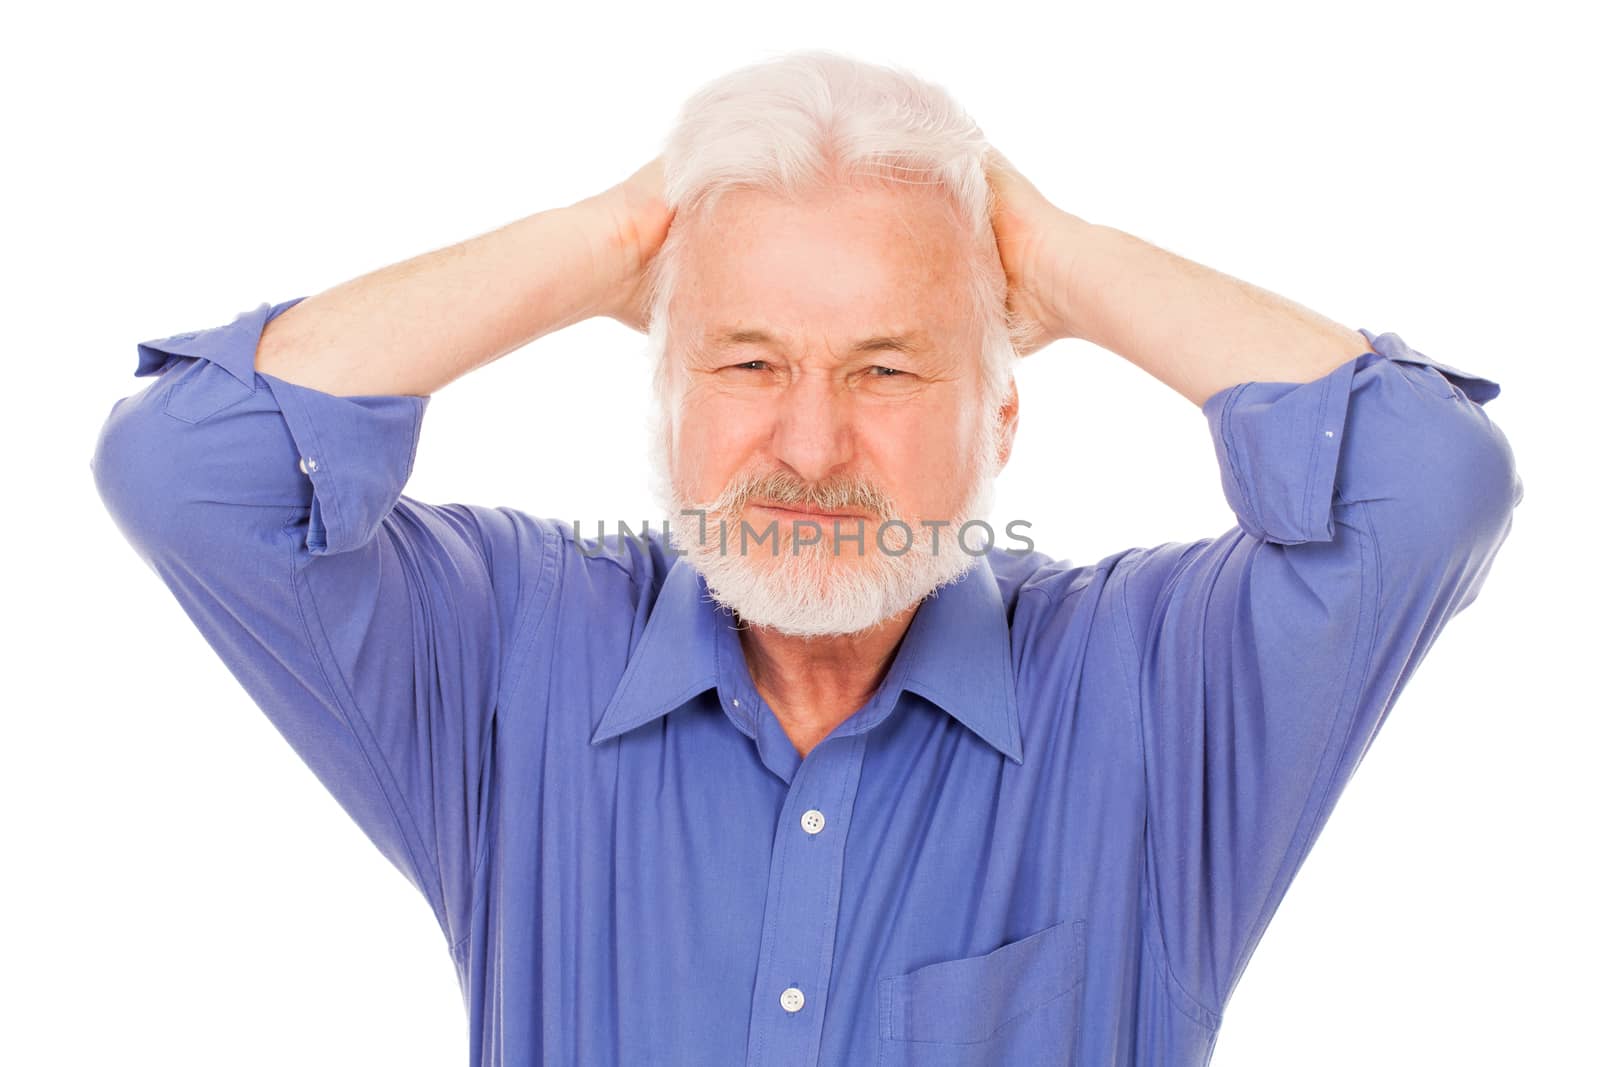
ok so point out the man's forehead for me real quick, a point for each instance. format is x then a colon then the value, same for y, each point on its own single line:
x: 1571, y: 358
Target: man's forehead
x: 898, y: 340
x: 863, y: 242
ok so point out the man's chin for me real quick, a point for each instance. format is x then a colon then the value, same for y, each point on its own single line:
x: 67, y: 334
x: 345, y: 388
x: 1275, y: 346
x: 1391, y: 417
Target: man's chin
x: 815, y: 571
x: 818, y: 594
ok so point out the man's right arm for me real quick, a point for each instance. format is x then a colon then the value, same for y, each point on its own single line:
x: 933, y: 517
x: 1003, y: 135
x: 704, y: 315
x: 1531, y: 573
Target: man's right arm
x: 415, y: 326
x: 375, y: 631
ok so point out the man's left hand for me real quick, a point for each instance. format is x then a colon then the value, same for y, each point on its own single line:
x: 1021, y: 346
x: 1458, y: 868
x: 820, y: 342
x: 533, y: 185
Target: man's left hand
x: 1035, y: 241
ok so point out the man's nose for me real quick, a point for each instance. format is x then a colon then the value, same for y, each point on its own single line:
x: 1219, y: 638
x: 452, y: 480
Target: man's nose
x: 813, y: 433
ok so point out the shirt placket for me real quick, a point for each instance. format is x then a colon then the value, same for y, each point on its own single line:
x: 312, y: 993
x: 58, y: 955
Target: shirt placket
x: 804, y: 881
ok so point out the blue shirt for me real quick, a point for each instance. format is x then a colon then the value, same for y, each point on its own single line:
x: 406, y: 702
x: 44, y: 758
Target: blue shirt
x: 1054, y: 834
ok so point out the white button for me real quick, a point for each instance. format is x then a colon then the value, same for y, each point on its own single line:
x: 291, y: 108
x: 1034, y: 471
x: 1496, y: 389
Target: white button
x: 792, y: 1000
x: 307, y: 464
x: 735, y: 701
x: 812, y: 821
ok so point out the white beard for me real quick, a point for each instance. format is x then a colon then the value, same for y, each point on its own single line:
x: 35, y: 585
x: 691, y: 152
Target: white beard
x: 824, y: 589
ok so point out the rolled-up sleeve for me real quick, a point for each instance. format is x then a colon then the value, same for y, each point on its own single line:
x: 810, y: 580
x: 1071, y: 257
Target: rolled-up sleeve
x: 1370, y: 505
x: 367, y: 625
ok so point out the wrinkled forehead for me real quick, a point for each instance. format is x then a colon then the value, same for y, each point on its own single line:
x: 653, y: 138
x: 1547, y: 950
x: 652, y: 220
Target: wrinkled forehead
x: 829, y: 270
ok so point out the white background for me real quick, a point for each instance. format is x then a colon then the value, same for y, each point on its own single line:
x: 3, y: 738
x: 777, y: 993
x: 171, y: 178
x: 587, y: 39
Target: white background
x: 180, y: 889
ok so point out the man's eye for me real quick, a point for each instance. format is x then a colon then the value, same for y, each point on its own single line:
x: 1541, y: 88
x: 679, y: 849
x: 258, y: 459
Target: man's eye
x: 754, y: 364
x: 888, y: 372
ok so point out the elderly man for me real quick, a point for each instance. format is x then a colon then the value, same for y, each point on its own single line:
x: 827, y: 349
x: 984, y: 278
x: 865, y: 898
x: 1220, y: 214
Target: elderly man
x: 799, y: 782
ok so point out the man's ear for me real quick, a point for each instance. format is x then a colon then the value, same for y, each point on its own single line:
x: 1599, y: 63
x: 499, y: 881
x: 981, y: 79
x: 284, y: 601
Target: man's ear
x: 1008, y: 423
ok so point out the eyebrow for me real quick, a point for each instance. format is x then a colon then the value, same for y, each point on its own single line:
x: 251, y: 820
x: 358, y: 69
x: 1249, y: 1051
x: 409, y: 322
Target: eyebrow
x: 911, y: 342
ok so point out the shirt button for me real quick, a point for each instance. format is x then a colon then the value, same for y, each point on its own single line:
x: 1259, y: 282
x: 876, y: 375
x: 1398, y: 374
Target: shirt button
x: 735, y: 701
x: 792, y: 1000
x: 307, y: 465
x: 812, y: 821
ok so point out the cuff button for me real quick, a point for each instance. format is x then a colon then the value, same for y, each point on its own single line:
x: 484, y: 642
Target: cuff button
x: 307, y: 465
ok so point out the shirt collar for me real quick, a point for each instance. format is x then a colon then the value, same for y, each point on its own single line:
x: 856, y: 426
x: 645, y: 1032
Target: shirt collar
x: 956, y: 653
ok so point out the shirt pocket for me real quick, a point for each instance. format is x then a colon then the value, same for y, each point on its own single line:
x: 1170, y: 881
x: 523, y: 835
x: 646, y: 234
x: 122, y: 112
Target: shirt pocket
x: 1018, y: 1004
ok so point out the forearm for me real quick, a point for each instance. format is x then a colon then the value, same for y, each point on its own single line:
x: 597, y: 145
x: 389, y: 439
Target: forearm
x: 1197, y: 330
x: 415, y: 326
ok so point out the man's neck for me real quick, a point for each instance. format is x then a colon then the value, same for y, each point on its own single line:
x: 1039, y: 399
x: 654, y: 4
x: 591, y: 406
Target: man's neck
x: 812, y: 684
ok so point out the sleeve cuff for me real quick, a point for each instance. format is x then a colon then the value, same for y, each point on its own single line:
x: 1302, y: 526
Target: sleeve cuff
x: 1278, y: 443
x: 357, y: 452
x: 231, y: 347
x: 1474, y: 387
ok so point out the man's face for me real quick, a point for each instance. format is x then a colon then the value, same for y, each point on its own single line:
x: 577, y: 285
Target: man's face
x: 829, y: 368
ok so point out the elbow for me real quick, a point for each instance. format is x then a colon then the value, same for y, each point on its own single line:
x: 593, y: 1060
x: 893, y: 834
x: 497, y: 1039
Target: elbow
x: 132, y: 464
x: 1473, y: 506
x: 1450, y: 490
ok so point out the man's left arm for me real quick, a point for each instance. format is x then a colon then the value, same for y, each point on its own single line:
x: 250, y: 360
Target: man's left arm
x: 1195, y: 329
x: 1372, y: 493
